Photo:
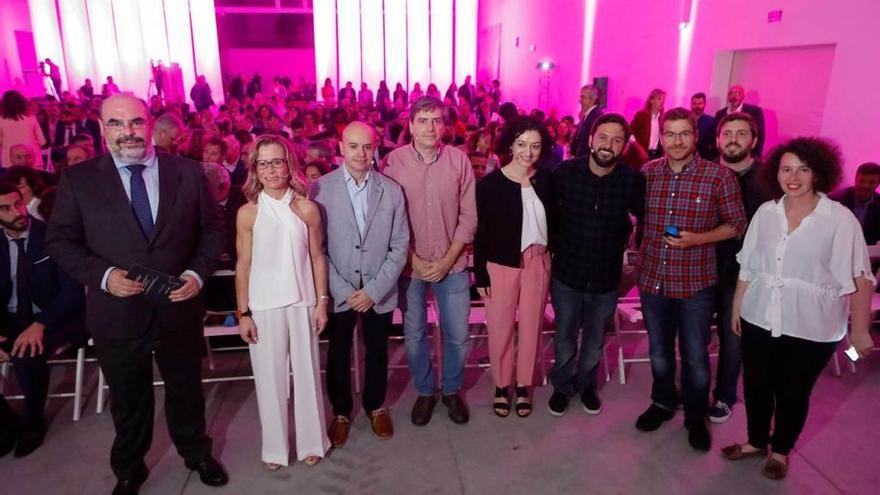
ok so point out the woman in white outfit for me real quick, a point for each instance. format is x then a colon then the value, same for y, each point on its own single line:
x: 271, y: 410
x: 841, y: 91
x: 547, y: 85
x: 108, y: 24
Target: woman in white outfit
x: 281, y: 286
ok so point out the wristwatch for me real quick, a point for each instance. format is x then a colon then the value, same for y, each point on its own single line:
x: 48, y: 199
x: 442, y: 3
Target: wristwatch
x: 247, y: 313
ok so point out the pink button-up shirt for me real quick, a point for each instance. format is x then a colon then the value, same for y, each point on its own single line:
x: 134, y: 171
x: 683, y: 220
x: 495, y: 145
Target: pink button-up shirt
x: 440, y: 199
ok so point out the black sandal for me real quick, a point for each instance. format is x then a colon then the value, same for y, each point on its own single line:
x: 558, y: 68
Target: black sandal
x: 502, y: 402
x: 523, y: 402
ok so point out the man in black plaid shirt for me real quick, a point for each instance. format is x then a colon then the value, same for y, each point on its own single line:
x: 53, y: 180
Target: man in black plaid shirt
x: 593, y: 196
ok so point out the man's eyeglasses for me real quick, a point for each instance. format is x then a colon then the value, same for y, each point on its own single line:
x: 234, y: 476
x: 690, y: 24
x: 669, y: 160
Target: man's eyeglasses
x: 274, y: 163
x: 671, y: 136
x: 118, y: 125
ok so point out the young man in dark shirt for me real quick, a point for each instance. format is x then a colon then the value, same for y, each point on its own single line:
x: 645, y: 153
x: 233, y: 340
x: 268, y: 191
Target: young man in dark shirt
x: 593, y: 195
x: 736, y: 136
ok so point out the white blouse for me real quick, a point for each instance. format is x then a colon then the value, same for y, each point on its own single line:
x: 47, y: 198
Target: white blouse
x: 798, y: 281
x: 534, y: 225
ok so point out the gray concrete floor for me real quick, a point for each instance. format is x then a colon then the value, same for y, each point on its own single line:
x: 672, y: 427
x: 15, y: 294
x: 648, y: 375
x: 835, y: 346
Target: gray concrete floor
x: 541, y: 454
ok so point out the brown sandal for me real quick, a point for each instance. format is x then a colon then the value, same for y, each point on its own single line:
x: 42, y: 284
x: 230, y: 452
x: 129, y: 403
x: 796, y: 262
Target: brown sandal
x: 735, y: 453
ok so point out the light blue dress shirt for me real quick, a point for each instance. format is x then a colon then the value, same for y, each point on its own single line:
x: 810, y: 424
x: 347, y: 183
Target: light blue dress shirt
x: 360, y: 197
x: 151, y: 180
x: 12, y: 306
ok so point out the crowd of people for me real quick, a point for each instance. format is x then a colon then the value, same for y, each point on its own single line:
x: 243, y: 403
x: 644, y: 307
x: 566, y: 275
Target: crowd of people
x: 350, y: 208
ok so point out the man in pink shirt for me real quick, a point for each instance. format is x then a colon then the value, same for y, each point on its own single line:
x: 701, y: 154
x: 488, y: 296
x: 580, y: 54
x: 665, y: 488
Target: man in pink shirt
x: 438, y: 183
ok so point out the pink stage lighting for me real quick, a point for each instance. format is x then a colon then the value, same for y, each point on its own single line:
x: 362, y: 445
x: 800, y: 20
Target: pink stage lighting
x: 47, y: 35
x: 372, y: 43
x: 395, y: 43
x: 205, y: 47
x: 465, y: 40
x: 418, y: 43
x: 135, y: 75
x: 324, y: 14
x: 348, y: 17
x: 441, y: 44
x: 78, y: 46
x: 180, y: 45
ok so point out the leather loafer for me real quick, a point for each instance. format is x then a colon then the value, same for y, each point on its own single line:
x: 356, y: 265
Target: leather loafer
x: 338, y: 431
x: 775, y: 469
x: 210, y: 472
x: 381, y: 423
x: 8, y: 439
x: 130, y: 486
x: 458, y: 411
x: 423, y: 409
x: 28, y: 443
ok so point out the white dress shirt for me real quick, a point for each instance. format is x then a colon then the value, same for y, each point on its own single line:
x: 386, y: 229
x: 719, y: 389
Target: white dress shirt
x: 12, y: 305
x: 798, y: 281
x: 534, y: 225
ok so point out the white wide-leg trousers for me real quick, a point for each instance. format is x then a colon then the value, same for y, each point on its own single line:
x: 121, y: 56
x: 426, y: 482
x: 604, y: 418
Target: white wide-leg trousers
x: 285, y: 335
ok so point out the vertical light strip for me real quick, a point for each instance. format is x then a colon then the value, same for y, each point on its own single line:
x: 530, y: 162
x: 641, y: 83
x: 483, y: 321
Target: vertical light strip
x: 418, y: 43
x: 685, y: 40
x: 103, y: 41
x: 77, y: 45
x: 441, y: 44
x: 324, y: 14
x: 135, y: 75
x: 47, y: 34
x: 465, y: 40
x: 180, y: 47
x: 395, y: 43
x: 153, y: 26
x: 348, y: 16
x: 373, y: 43
x: 587, y: 50
x: 206, y: 48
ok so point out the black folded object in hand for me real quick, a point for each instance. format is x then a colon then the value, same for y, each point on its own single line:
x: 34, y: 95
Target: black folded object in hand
x: 157, y: 285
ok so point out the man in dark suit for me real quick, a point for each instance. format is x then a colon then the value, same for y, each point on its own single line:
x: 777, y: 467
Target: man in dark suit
x: 137, y: 207
x: 67, y: 127
x: 220, y: 290
x: 706, y: 145
x: 863, y: 200
x: 590, y: 111
x: 735, y: 96
x: 42, y: 308
x: 9, y: 429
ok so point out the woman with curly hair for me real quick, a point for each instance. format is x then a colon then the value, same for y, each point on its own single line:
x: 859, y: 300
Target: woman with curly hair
x: 803, y: 256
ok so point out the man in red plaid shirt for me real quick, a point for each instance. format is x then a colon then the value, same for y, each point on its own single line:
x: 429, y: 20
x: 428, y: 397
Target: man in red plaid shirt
x: 690, y: 206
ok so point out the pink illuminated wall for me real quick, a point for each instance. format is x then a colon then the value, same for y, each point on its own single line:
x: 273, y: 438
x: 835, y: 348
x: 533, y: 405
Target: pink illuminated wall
x: 99, y: 38
x: 646, y: 47
x: 405, y: 41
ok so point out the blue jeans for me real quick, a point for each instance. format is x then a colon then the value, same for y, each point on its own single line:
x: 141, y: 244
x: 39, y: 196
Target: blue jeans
x: 729, y: 352
x: 584, y: 313
x: 689, y: 319
x: 453, y: 300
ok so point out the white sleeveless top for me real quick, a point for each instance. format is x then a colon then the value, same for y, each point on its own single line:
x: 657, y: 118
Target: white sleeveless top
x: 534, y: 225
x: 281, y: 267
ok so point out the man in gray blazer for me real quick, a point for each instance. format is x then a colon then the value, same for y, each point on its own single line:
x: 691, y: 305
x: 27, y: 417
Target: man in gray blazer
x: 367, y: 239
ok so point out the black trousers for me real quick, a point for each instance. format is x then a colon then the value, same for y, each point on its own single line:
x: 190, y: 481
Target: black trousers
x: 375, y: 333
x: 32, y: 373
x: 778, y: 376
x: 128, y: 369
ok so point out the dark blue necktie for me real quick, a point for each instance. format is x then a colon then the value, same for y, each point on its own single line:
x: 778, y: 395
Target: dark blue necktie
x: 140, y: 201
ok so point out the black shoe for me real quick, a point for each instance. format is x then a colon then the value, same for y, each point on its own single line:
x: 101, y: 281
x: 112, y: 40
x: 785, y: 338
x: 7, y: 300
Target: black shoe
x: 29, y: 442
x: 423, y: 409
x: 9, y: 439
x: 698, y: 434
x: 210, y: 472
x: 590, y: 402
x: 655, y: 416
x: 130, y: 486
x: 458, y: 411
x: 558, y: 404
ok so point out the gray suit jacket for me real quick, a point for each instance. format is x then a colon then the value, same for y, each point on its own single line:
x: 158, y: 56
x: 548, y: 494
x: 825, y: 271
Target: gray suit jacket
x: 375, y: 260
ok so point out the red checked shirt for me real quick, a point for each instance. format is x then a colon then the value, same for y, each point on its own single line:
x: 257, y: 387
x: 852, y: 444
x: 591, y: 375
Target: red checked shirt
x: 701, y: 197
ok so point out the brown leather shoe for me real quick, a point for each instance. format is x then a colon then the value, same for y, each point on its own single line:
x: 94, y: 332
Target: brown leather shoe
x: 380, y: 420
x: 775, y: 469
x: 458, y: 411
x: 338, y: 432
x: 735, y: 453
x: 422, y: 409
